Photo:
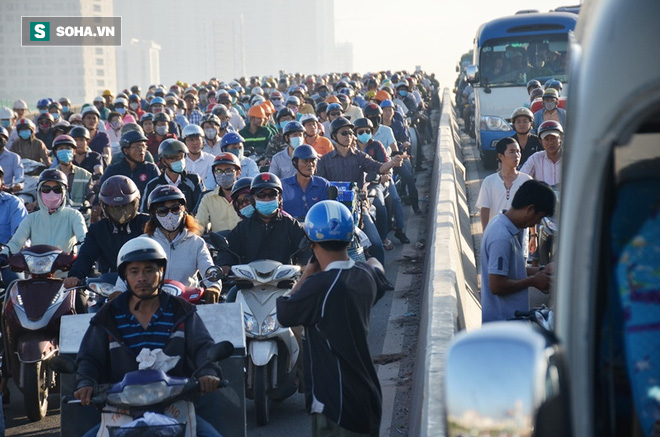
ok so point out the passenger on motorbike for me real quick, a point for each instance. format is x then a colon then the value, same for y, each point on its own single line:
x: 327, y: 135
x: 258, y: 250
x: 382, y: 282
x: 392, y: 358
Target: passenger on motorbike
x: 314, y: 136
x: 293, y: 136
x: 11, y: 162
x: 522, y: 119
x: 27, y: 146
x: 276, y: 144
x: 303, y: 190
x: 144, y: 317
x: 212, y: 138
x: 268, y: 233
x: 215, y: 208
x: 241, y: 198
x: 119, y: 198
x: 83, y: 156
x: 79, y: 179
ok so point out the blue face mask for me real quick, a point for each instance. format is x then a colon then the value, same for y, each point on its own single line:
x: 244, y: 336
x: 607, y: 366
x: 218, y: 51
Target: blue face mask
x: 55, y: 115
x: 267, y: 207
x: 65, y: 109
x: 295, y: 141
x: 5, y: 123
x: 178, y: 166
x: 25, y: 134
x: 323, y: 93
x: 238, y: 153
x: 43, y: 111
x: 283, y: 124
x: 247, y: 211
x: 65, y: 156
x: 364, y: 138
x: 403, y: 93
x: 122, y: 111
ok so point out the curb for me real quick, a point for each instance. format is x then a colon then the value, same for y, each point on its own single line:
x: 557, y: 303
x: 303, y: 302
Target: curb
x: 446, y: 306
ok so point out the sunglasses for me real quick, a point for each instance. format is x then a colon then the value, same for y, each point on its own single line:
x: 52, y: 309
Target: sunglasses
x: 266, y: 195
x: 246, y: 200
x: 47, y: 189
x: 363, y: 131
x: 163, y: 210
x: 337, y: 114
x: 346, y: 133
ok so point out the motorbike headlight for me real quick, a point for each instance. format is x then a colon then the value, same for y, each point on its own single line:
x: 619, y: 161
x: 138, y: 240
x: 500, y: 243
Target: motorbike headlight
x: 269, y: 325
x: 39, y: 265
x: 493, y: 123
x: 251, y: 325
x: 101, y: 288
x: 142, y: 395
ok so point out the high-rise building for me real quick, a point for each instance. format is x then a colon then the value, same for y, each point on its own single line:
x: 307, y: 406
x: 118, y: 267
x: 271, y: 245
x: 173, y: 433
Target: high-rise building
x: 138, y: 63
x: 32, y: 73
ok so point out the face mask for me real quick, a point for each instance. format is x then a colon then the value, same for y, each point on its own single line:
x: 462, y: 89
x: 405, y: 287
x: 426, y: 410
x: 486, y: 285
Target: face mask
x: 178, y: 166
x: 171, y: 221
x: 115, y: 124
x: 550, y: 106
x: 225, y: 180
x: 238, y: 153
x: 55, y: 115
x: 43, y: 111
x: 65, y: 156
x: 323, y: 93
x: 52, y: 200
x: 267, y: 207
x: 122, y: 111
x: 295, y: 141
x: 65, y: 109
x: 133, y: 106
x: 294, y: 109
x: 247, y: 211
x: 5, y: 123
x: 210, y: 133
x: 403, y: 93
x: 161, y: 130
x: 25, y: 134
x: 283, y: 123
x: 203, y: 98
x: 364, y: 137
x: 223, y: 125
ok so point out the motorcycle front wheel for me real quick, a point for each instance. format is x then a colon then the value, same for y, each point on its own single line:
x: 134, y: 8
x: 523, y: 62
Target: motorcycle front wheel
x: 35, y: 390
x: 261, y: 399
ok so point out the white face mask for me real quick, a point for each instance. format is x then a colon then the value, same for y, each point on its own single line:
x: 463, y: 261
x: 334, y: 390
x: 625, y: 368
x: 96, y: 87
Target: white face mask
x: 171, y: 221
x: 161, y: 130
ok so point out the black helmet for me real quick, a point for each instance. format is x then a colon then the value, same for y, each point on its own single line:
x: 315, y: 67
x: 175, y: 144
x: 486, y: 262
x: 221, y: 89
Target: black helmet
x: 239, y: 186
x: 171, y: 147
x: 163, y: 193
x: 364, y: 122
x: 533, y: 84
x: 147, y: 116
x: 372, y: 110
x: 321, y: 107
x: 161, y: 116
x: 283, y: 113
x: 265, y: 180
x: 291, y: 127
x: 135, y: 89
x: 79, y: 132
x: 131, y: 137
x: 220, y: 110
x: 338, y: 123
x: 304, y: 152
x: 118, y: 190
x: 53, y: 174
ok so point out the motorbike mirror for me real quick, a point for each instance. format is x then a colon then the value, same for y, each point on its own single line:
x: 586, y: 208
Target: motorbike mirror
x: 64, y: 261
x: 213, y: 273
x: 471, y: 72
x: 333, y: 192
x: 371, y: 177
x: 17, y: 263
x: 220, y: 351
x: 62, y: 364
x: 523, y: 374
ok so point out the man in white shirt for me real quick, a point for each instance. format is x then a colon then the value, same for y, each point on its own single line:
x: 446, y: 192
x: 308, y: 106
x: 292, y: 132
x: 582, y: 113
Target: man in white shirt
x: 197, y: 160
x: 546, y: 165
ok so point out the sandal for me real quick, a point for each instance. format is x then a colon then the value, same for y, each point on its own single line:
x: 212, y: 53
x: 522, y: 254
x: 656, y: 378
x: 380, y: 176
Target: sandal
x: 388, y: 245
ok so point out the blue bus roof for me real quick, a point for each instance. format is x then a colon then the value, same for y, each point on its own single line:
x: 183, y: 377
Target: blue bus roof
x: 526, y: 24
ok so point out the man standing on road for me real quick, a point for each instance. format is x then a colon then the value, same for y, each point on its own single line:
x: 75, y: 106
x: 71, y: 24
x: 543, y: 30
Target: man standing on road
x: 504, y: 276
x: 333, y: 301
x: 546, y: 165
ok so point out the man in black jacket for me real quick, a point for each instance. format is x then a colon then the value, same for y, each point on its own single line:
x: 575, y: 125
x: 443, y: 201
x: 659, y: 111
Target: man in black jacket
x: 333, y: 301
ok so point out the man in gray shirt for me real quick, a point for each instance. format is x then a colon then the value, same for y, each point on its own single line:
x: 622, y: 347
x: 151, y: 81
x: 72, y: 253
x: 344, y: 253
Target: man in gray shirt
x: 504, y: 275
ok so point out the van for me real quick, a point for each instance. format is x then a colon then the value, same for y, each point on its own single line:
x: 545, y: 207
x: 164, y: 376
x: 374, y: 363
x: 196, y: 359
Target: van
x: 598, y: 372
x: 508, y: 53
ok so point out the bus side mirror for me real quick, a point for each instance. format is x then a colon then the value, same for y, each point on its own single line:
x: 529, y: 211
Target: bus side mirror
x: 472, y: 73
x: 505, y: 377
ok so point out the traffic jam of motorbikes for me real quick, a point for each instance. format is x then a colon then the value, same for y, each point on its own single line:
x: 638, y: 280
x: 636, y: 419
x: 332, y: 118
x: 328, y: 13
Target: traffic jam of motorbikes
x: 172, y: 253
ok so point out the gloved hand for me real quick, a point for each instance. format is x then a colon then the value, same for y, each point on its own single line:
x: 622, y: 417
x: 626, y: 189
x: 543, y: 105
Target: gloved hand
x: 211, y: 295
x: 4, y: 260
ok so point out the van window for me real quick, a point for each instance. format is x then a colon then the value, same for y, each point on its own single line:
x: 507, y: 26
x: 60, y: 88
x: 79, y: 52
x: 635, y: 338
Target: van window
x: 515, y: 60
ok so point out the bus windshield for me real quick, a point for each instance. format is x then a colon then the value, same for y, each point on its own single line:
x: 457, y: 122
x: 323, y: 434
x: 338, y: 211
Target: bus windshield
x: 515, y: 60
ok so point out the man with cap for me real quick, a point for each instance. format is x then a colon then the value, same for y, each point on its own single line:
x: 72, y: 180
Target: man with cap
x: 256, y: 135
x: 313, y: 137
x: 100, y: 141
x: 83, y: 156
x: 197, y: 160
x: 550, y: 110
x: 99, y: 104
x: 281, y: 165
x: 303, y: 190
x: 172, y: 158
x: 27, y: 146
x: 193, y: 114
x: 79, y: 180
x: 216, y: 206
x: 546, y: 165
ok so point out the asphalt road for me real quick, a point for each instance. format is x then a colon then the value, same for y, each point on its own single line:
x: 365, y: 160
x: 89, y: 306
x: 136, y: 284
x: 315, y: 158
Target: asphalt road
x: 392, y: 341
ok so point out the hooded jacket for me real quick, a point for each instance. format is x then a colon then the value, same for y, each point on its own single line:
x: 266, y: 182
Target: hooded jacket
x: 63, y: 228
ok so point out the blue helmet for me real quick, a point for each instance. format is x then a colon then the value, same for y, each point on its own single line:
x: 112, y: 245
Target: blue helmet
x: 293, y: 126
x: 157, y: 101
x: 304, y: 151
x: 43, y: 103
x: 329, y: 220
x: 334, y: 107
x: 387, y: 104
x: 230, y: 138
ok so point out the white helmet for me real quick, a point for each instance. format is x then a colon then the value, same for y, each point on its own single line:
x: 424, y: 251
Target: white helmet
x: 142, y: 248
x: 6, y: 113
x: 20, y: 104
x: 192, y: 130
x: 257, y: 90
x: 121, y: 100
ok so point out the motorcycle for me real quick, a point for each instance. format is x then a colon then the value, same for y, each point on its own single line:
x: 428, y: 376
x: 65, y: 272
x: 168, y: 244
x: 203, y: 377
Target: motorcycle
x: 148, y: 402
x: 31, y: 318
x: 273, y: 353
x: 32, y: 170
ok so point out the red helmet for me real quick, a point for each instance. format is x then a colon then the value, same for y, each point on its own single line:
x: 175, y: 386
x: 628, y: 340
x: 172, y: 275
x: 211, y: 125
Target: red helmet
x: 226, y: 158
x: 550, y: 126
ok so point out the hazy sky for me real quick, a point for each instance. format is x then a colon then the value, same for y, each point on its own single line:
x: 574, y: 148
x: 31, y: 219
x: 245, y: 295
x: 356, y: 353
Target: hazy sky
x: 388, y: 34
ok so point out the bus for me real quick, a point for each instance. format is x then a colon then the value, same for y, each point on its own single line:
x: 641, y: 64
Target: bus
x: 509, y: 52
